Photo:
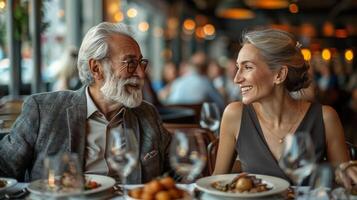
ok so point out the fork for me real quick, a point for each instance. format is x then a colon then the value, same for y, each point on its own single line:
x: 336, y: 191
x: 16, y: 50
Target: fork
x: 16, y: 195
x: 118, y: 189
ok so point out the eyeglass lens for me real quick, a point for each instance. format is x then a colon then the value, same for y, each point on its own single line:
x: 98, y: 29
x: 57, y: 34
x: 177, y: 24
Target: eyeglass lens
x: 132, y: 64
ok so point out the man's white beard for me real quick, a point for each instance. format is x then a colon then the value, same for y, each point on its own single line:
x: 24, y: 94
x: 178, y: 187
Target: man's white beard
x: 116, y: 89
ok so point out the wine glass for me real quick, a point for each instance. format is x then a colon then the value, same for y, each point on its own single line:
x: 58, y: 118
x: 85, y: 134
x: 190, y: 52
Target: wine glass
x: 210, y: 117
x: 63, y: 174
x: 321, y: 182
x: 123, y: 152
x: 188, y: 154
x: 298, y: 158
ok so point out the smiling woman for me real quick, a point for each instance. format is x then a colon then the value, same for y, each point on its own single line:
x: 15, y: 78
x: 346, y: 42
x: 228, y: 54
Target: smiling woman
x: 270, y: 67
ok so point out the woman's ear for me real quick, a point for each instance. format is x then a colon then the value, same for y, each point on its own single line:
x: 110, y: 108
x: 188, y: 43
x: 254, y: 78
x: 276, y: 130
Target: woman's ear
x: 96, y: 68
x: 281, y: 75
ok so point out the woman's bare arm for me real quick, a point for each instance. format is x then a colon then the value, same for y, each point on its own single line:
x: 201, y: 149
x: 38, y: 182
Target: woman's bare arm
x: 227, y: 140
x: 335, y: 139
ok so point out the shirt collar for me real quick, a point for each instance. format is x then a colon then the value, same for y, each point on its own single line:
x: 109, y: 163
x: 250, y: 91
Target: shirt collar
x: 91, y: 107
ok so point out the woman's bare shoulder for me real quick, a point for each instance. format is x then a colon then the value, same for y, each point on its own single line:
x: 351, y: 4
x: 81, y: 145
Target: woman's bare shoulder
x: 234, y: 110
x: 329, y: 114
x: 232, y: 119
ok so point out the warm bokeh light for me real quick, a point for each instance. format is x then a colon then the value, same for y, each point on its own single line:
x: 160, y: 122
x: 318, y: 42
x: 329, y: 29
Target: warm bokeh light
x: 306, y: 53
x: 2, y: 4
x: 236, y: 13
x: 326, y: 54
x: 132, y: 12
x: 209, y: 29
x: 293, y: 8
x: 199, y: 32
x: 341, y: 33
x: 328, y: 29
x: 189, y: 25
x: 113, y: 7
x: 308, y: 29
x: 268, y: 4
x: 143, y: 26
x: 349, y: 55
x: 118, y: 17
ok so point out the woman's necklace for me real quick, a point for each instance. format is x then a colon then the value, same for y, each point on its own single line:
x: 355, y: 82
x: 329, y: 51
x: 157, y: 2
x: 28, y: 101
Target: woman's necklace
x: 282, y: 138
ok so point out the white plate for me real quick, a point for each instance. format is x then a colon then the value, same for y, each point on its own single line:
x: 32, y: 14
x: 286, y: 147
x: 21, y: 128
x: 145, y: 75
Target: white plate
x: 278, y: 185
x: 38, y: 188
x: 9, y: 183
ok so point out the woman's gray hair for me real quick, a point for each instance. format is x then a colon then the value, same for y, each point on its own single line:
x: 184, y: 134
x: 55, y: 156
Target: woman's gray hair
x: 279, y: 48
x: 95, y: 46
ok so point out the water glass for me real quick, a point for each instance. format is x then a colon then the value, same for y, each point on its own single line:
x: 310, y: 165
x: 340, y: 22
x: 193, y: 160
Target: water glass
x: 62, y: 173
x: 321, y: 182
x: 298, y: 156
x: 123, y: 152
x: 210, y: 117
x: 188, y: 154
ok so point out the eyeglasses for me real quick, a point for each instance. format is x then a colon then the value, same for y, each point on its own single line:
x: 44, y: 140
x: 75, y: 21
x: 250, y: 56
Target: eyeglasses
x: 132, y: 64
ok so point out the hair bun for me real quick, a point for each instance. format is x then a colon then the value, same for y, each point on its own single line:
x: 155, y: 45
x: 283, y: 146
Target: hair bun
x: 298, y: 78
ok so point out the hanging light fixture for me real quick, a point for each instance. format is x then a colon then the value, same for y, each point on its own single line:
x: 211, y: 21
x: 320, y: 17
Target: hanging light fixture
x: 268, y: 4
x: 234, y: 9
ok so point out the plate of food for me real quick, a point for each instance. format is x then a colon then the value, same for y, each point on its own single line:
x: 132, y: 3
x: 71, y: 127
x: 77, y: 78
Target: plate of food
x: 6, y: 183
x: 242, y: 185
x: 93, y: 184
x: 161, y: 188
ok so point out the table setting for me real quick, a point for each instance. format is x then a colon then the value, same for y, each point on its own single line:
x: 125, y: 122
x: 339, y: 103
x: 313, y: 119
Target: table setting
x: 64, y: 179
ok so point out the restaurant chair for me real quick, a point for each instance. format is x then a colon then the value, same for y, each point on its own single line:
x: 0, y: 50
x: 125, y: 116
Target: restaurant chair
x: 352, y: 150
x: 212, y: 150
x: 207, y: 137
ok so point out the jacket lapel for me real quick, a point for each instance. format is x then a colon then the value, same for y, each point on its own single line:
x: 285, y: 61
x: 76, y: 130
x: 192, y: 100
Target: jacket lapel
x: 76, y: 120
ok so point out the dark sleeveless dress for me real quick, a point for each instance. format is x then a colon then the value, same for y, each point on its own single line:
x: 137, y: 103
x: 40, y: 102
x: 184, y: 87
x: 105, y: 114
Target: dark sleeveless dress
x: 252, y: 148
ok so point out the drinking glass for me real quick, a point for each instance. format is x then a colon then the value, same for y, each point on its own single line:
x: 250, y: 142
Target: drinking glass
x: 63, y: 173
x: 298, y: 157
x: 210, y: 117
x: 321, y: 182
x: 188, y: 154
x: 123, y: 152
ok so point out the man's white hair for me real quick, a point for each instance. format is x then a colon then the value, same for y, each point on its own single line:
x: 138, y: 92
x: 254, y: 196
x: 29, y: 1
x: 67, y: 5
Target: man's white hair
x: 95, y: 46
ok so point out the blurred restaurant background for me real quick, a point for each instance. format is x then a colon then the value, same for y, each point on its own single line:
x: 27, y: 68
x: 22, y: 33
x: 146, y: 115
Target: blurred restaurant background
x: 39, y: 40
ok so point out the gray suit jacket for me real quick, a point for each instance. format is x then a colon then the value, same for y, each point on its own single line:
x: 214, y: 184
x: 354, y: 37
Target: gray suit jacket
x: 56, y: 121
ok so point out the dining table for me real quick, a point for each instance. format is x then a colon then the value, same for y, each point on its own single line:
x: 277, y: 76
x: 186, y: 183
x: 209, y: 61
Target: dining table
x: 15, y: 193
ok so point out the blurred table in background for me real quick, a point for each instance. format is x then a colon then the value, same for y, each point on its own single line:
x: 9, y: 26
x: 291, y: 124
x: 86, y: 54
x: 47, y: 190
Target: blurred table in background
x: 9, y: 110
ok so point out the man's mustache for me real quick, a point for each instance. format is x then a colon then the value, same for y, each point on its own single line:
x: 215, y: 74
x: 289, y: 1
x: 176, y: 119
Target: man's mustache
x: 134, y: 81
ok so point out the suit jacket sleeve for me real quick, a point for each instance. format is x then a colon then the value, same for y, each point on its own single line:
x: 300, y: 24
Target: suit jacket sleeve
x: 17, y: 148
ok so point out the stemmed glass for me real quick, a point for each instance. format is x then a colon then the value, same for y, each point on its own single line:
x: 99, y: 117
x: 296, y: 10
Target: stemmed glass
x: 210, y: 117
x: 321, y: 182
x: 123, y: 152
x: 63, y: 174
x: 188, y: 154
x: 298, y: 157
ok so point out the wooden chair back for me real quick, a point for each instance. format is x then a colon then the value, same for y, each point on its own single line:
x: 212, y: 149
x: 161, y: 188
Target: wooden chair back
x: 207, y: 137
x: 212, y: 150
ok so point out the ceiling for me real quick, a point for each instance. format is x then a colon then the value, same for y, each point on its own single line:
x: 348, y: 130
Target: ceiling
x: 341, y: 13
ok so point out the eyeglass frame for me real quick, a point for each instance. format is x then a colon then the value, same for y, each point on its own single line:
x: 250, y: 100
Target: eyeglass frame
x: 127, y: 62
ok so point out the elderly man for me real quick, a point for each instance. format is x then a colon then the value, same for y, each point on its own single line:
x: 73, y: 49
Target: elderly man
x: 112, y: 70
